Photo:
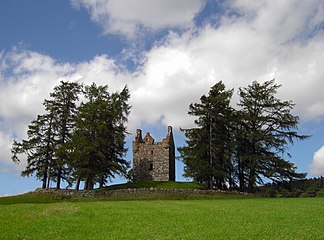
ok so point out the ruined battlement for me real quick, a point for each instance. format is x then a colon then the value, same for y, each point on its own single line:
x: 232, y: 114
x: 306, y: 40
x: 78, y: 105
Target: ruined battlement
x: 153, y: 161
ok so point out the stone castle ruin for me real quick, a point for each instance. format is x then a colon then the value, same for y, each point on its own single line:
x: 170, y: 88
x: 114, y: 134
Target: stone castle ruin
x: 153, y: 161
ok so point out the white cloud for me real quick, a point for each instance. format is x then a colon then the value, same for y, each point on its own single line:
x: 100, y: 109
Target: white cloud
x: 130, y: 17
x: 26, y: 80
x: 317, y: 166
x: 32, y: 76
x: 5, y: 144
x: 237, y: 52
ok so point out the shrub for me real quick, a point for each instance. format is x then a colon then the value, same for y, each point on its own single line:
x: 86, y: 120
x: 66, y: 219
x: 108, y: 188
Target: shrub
x: 320, y: 193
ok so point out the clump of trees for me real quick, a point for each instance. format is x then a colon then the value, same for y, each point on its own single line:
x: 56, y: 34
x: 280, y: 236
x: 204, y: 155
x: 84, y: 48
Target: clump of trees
x: 77, y: 141
x: 240, y: 148
x: 230, y: 148
x: 313, y: 187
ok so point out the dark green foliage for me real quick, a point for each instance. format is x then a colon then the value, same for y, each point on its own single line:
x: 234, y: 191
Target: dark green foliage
x: 297, y: 188
x: 267, y: 127
x: 77, y: 143
x: 48, y: 135
x: 62, y: 105
x: 98, y: 143
x: 207, y: 156
x: 39, y: 149
x: 240, y: 148
x: 320, y: 193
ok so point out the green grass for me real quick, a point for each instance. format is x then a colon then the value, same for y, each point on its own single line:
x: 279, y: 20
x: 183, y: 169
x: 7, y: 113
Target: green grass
x: 258, y: 218
x: 153, y: 184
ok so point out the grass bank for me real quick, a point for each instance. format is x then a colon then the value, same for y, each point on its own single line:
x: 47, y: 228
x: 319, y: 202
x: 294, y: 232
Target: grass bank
x: 258, y: 218
x: 156, y: 184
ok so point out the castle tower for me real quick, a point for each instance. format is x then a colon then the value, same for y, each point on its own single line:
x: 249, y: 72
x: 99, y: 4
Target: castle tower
x: 153, y: 161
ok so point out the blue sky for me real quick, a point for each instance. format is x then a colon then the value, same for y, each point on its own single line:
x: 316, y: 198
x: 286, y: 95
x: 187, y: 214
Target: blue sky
x: 169, y: 53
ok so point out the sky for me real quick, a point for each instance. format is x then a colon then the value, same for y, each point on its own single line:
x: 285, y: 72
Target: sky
x: 169, y: 53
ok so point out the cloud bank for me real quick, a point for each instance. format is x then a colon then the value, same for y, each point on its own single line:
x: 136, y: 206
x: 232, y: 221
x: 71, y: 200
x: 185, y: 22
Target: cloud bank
x: 261, y: 41
x: 317, y: 166
x: 131, y: 17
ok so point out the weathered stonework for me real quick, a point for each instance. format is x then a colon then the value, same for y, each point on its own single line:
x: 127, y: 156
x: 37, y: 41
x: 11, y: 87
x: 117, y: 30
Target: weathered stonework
x: 153, y: 161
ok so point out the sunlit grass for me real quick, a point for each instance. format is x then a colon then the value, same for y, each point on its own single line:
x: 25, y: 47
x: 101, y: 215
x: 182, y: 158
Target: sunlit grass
x: 259, y: 218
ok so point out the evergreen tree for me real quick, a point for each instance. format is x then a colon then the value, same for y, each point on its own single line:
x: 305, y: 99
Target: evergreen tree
x: 267, y: 127
x: 240, y: 151
x: 73, y: 143
x: 209, y: 150
x: 39, y: 149
x: 63, y: 106
x: 48, y: 135
x: 98, y: 142
x: 240, y: 148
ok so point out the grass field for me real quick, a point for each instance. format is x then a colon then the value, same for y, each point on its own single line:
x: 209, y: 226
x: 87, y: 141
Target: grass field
x: 250, y: 218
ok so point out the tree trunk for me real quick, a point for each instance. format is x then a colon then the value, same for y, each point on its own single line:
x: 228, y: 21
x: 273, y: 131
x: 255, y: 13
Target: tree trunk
x: 77, y: 186
x: 44, y: 180
x: 58, y: 183
x: 230, y: 180
x: 251, y: 181
x: 101, y: 182
x: 209, y: 183
x: 91, y: 183
x: 49, y: 180
x: 86, y: 183
x: 240, y: 175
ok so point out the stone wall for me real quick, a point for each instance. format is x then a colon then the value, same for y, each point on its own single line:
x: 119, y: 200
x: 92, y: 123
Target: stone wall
x: 88, y: 193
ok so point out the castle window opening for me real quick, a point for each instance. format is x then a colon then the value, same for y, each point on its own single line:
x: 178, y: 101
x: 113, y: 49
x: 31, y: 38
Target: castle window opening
x: 151, y: 166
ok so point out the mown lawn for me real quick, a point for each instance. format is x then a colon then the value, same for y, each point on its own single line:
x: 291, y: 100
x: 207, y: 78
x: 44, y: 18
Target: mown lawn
x: 258, y: 218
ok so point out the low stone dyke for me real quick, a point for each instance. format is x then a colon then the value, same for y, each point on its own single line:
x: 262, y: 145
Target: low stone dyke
x: 88, y: 193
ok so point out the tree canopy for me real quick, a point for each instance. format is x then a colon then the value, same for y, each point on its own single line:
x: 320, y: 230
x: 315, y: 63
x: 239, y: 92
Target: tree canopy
x: 77, y: 141
x: 239, y: 148
x: 207, y: 154
x: 229, y: 147
x: 98, y: 140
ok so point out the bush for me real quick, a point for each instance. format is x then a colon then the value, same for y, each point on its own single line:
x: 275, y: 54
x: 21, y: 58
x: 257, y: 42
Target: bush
x: 294, y: 194
x: 304, y: 194
x: 308, y: 194
x: 320, y: 193
x: 312, y: 191
x: 269, y: 192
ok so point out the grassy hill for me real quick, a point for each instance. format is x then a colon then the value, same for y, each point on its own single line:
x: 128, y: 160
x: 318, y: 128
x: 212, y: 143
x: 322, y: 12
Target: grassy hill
x: 153, y: 184
x: 153, y: 191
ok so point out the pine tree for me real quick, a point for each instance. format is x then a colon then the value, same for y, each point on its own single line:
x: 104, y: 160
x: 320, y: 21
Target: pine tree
x: 241, y: 148
x: 39, y: 149
x: 98, y: 141
x: 207, y: 155
x: 62, y: 105
x: 48, y: 135
x: 267, y: 127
